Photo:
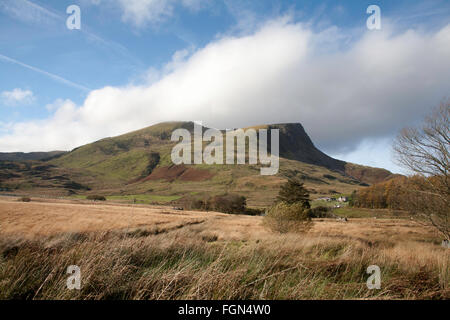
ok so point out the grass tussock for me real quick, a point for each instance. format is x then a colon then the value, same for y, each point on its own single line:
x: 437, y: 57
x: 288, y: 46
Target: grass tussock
x: 193, y: 263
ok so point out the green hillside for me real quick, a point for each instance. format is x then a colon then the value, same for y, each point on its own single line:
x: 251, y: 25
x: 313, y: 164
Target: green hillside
x: 139, y: 163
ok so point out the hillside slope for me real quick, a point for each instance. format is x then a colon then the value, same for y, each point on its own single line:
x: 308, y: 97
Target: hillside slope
x: 368, y: 175
x: 134, y: 155
x: 139, y: 163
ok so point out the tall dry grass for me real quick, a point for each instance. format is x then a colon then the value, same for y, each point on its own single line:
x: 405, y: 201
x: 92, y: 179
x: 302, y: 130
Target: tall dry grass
x: 191, y: 263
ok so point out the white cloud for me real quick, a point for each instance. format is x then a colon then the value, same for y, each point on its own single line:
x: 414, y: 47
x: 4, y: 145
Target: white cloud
x: 280, y: 73
x: 17, y: 97
x: 141, y: 12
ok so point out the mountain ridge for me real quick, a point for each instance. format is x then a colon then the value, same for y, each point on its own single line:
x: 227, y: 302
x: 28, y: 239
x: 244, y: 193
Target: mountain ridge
x: 24, y: 156
x: 139, y: 162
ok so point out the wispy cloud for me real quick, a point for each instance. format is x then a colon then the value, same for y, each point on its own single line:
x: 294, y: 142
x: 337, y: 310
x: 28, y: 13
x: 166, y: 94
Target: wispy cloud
x: 439, y: 10
x: 48, y: 74
x: 17, y: 96
x: 140, y: 13
x: 30, y: 12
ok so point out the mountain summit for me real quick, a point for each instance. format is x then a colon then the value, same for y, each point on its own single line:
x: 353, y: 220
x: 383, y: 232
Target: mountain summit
x: 295, y: 144
x: 140, y: 162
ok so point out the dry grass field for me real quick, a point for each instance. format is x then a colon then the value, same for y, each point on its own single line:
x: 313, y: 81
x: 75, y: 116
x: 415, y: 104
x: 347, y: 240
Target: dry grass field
x: 155, y: 252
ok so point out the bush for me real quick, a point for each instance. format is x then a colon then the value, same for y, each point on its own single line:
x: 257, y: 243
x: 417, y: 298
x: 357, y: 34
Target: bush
x: 24, y: 199
x: 96, y: 198
x: 320, y: 212
x: 283, y: 218
x: 229, y: 203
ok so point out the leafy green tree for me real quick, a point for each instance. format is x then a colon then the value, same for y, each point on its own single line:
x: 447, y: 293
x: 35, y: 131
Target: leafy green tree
x: 293, y: 191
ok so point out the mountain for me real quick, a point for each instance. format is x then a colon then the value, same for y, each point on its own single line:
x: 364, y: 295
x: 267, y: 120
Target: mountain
x: 295, y: 144
x: 138, y: 164
x: 22, y: 156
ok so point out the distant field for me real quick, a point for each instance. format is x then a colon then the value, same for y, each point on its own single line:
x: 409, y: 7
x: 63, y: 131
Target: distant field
x: 350, y: 212
x: 317, y: 203
x: 144, y: 198
x: 154, y: 252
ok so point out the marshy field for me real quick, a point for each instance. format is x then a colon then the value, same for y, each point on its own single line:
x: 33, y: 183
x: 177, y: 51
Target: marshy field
x: 127, y: 251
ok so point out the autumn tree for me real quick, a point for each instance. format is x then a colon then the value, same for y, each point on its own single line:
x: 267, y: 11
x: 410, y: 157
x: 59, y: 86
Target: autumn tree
x: 424, y: 151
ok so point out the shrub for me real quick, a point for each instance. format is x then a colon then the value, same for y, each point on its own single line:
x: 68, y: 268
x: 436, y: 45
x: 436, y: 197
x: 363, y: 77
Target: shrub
x: 284, y: 217
x: 24, y: 199
x: 320, y: 212
x: 229, y: 203
x: 96, y: 197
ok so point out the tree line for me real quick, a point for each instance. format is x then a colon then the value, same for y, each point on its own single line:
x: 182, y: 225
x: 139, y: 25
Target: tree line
x: 400, y: 193
x: 425, y: 152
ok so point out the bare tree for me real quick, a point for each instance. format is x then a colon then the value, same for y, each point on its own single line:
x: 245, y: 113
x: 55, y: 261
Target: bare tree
x: 425, y: 152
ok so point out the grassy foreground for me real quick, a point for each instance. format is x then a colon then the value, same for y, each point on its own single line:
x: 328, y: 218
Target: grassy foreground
x: 212, y: 256
x: 186, y: 265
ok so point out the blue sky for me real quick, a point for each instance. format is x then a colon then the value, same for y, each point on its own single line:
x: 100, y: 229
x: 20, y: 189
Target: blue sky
x: 128, y: 53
